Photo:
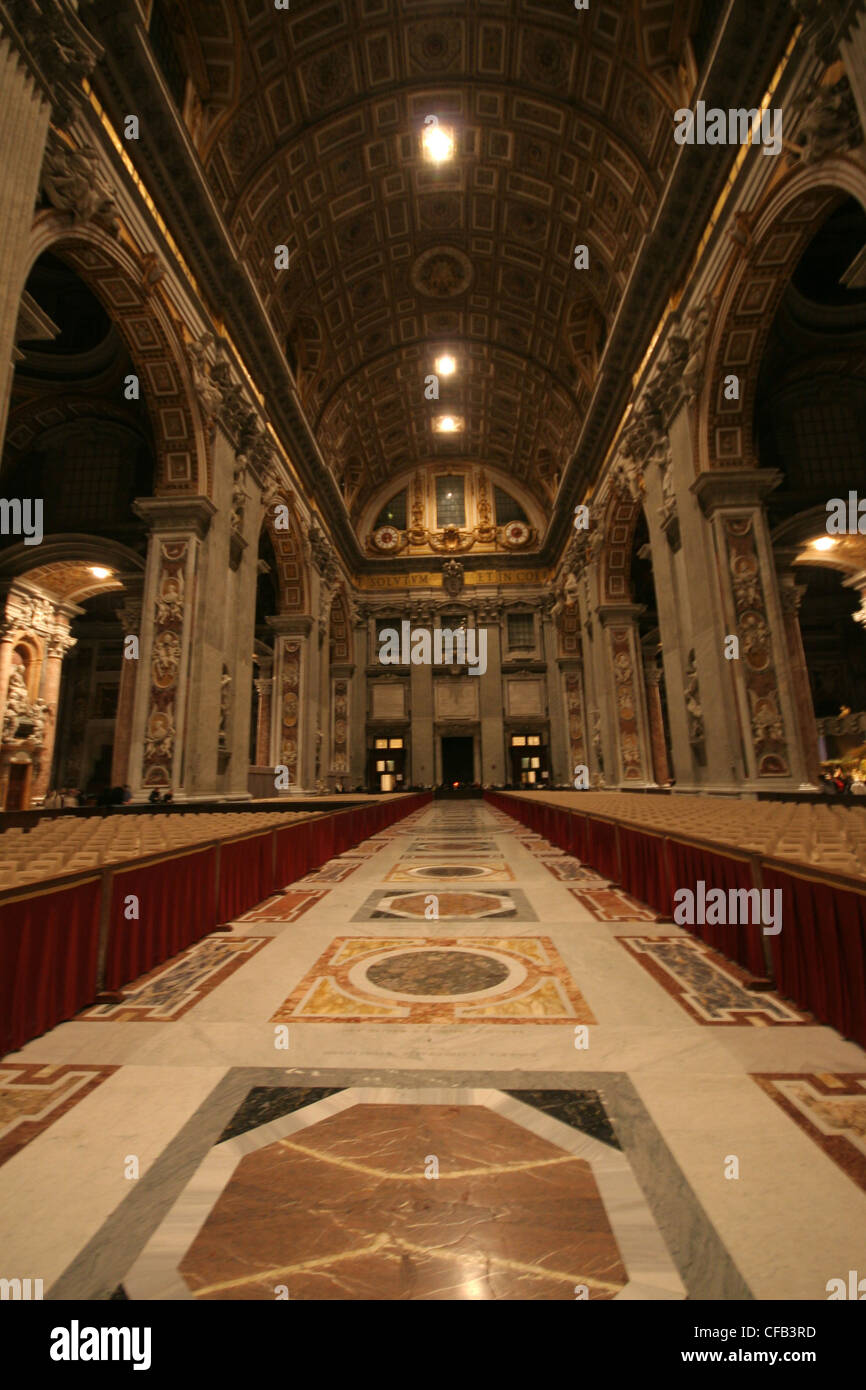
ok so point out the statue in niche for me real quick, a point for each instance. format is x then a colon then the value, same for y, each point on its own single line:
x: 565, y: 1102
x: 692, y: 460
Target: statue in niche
x: 39, y: 715
x: 17, y: 701
x: 239, y: 498
x: 694, y: 708
x: 452, y: 577
x: 696, y: 331
x: 225, y: 700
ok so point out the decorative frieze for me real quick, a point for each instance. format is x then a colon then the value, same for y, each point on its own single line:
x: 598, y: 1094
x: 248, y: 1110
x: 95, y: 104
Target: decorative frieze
x: 767, y: 725
x: 165, y: 662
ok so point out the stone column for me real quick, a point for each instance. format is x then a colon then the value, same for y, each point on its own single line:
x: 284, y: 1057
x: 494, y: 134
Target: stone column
x: 423, y: 770
x: 599, y: 743
x: 130, y: 618
x: 493, y: 764
x: 732, y: 500
x: 264, y: 690
x: 24, y: 118
x: 45, y: 51
x: 358, y: 710
x: 162, y: 715
x: 791, y: 596
x: 716, y: 762
x: 672, y: 605
x: 339, y: 757
x: 652, y: 681
x: 56, y: 648
x: 628, y: 711
x: 560, y: 772
x: 237, y: 657
x: 291, y: 742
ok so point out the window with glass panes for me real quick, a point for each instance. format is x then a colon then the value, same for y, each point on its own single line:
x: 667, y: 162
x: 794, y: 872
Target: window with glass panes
x: 521, y: 632
x: 450, y: 503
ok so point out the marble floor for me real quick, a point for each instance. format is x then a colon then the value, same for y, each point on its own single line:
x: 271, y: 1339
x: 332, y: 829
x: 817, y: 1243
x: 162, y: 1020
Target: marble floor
x: 452, y: 1064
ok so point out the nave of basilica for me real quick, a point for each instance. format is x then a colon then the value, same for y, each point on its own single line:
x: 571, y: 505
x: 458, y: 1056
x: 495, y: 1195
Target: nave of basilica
x: 431, y: 457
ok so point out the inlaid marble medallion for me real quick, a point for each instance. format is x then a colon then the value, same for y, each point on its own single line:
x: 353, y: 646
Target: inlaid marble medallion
x: 447, y: 905
x: 451, y: 980
x: 446, y: 844
x: 711, y: 990
x: 494, y: 871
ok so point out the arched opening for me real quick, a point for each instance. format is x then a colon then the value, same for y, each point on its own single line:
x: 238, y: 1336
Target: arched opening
x: 80, y: 447
x: 809, y: 424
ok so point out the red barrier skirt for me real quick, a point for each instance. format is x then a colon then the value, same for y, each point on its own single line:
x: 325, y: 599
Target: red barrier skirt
x: 49, y: 947
x: 601, y: 848
x: 176, y: 905
x: 740, y: 942
x: 246, y: 875
x: 644, y: 868
x: 819, y: 957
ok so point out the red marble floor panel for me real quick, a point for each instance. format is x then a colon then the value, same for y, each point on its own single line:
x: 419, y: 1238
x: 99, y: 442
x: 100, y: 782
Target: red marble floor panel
x: 613, y: 905
x: 285, y: 907
x: 347, y: 1209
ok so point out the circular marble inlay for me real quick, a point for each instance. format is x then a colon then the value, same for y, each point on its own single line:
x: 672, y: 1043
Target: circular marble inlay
x: 437, y: 972
x: 450, y: 871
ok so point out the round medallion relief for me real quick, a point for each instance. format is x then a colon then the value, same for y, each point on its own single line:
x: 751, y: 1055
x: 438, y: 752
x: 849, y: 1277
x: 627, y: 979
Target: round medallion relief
x: 442, y: 272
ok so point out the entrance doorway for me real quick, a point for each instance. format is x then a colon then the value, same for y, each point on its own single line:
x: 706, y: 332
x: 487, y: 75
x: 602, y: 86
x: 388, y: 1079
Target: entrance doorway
x: 529, y: 765
x: 458, y: 763
x: 386, y: 769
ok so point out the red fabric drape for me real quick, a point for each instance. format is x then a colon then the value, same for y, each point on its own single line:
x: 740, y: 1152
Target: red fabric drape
x: 689, y: 864
x: 819, y: 957
x: 176, y: 904
x: 601, y: 848
x: 49, y: 945
x: 49, y: 942
x: 246, y: 876
x: 644, y: 872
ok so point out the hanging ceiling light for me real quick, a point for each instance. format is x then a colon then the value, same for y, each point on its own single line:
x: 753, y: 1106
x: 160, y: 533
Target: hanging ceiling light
x: 437, y: 143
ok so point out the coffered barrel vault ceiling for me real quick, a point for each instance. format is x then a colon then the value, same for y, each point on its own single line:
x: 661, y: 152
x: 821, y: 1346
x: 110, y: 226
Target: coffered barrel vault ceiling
x: 310, y: 136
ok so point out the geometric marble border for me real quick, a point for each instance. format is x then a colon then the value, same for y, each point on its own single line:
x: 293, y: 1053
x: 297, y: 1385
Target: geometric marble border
x: 652, y: 1274
x: 700, y: 1255
x: 60, y: 1087
x: 841, y: 1089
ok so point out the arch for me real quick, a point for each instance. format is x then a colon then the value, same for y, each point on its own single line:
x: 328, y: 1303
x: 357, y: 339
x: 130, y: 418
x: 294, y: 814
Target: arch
x: 339, y: 629
x: 779, y: 234
x: 620, y: 520
x: 116, y: 275
x: 289, y: 553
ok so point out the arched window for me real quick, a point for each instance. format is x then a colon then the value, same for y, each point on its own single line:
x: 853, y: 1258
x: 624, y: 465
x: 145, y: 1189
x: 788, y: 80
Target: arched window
x: 393, y: 513
x: 507, y: 508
